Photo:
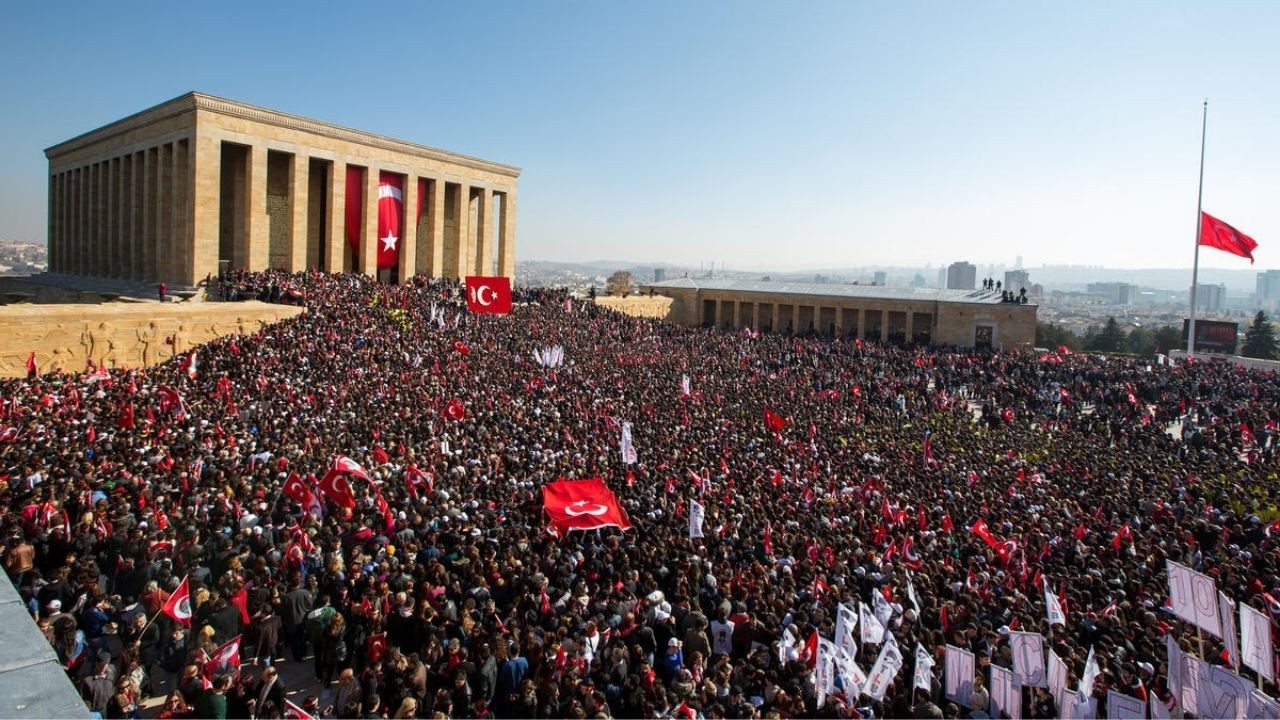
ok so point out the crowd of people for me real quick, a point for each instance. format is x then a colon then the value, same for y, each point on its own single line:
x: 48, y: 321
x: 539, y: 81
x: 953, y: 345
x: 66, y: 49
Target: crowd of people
x: 441, y: 593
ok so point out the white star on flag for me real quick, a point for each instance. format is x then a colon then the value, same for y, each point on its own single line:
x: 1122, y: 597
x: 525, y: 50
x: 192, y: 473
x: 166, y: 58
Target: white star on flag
x: 389, y: 242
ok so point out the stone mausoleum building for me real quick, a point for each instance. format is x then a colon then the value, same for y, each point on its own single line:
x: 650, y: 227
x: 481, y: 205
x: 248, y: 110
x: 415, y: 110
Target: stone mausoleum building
x: 968, y: 318
x: 201, y: 184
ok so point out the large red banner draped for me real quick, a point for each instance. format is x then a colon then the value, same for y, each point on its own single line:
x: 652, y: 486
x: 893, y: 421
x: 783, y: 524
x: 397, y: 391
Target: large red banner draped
x: 354, y: 197
x: 390, y: 212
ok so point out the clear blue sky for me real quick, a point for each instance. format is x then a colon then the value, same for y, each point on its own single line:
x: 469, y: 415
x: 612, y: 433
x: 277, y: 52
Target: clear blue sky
x: 761, y: 134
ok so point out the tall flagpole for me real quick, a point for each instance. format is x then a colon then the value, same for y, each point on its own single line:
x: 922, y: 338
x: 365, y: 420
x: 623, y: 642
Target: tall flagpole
x: 1195, y: 267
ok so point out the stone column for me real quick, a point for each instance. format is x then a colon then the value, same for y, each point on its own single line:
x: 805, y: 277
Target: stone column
x: 755, y: 316
x: 299, y: 185
x: 719, y: 317
x: 369, y: 237
x: 773, y: 321
x: 435, y: 226
x: 75, y: 208
x: 884, y: 325
x: 180, y: 270
x: 206, y: 189
x: 95, y: 220
x: 51, y: 245
x: 507, y: 235
x: 484, y: 233
x: 335, y: 251
x: 147, y: 219
x: 466, y: 251
x: 257, y: 237
x: 408, y: 230
x: 795, y: 318
x: 164, y: 212
x: 862, y: 323
x: 910, y: 325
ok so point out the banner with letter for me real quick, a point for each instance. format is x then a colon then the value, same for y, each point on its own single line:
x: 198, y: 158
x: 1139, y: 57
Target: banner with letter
x: 958, y: 675
x: 1194, y: 597
x: 1006, y: 694
x: 1124, y: 707
x: 887, y: 666
x: 1028, y: 658
x: 1256, y: 649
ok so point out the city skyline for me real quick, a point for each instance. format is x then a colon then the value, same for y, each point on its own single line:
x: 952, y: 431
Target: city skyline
x: 829, y: 135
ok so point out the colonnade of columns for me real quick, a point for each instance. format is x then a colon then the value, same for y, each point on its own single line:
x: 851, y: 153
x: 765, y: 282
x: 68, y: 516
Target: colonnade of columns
x: 864, y: 322
x: 449, y: 227
x: 126, y: 216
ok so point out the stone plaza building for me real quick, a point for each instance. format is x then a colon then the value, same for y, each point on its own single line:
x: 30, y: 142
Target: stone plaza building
x: 201, y: 184
x: 968, y: 318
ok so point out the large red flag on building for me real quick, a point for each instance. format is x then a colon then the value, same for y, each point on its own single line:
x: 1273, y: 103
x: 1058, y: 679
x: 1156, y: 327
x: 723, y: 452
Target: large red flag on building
x: 1215, y: 233
x: 178, y: 606
x: 487, y: 294
x: 582, y: 505
x: 390, y: 212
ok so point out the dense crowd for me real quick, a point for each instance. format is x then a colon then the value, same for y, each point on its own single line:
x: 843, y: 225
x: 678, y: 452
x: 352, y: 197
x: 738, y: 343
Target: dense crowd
x: 450, y: 599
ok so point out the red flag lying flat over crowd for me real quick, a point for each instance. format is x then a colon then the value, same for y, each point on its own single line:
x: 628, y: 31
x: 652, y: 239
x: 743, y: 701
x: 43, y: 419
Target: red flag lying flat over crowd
x: 773, y: 421
x: 489, y: 294
x: 1217, y: 234
x: 582, y: 505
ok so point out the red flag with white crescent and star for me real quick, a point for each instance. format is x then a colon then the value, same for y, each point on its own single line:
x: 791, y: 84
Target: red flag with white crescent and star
x: 489, y: 294
x: 337, y: 489
x: 582, y: 505
x: 390, y: 211
x: 295, y: 712
x: 178, y: 606
x: 1217, y: 234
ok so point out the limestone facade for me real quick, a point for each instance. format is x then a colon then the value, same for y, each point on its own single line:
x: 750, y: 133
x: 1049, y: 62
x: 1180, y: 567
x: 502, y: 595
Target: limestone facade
x: 965, y: 318
x: 200, y: 184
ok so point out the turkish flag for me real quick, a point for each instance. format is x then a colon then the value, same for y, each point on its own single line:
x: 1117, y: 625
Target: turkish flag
x: 296, y: 489
x: 375, y: 647
x: 293, y: 712
x: 773, y: 421
x: 1215, y: 233
x: 380, y: 455
x: 455, y: 409
x: 344, y: 464
x: 225, y: 660
x: 335, y: 487
x: 390, y: 211
x: 980, y: 529
x: 489, y: 294
x: 31, y: 365
x: 388, y: 517
x: 582, y: 505
x: 178, y: 606
x: 415, y: 478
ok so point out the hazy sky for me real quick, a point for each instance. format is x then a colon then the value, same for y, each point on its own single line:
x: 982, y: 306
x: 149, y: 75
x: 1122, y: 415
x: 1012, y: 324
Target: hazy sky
x: 758, y: 134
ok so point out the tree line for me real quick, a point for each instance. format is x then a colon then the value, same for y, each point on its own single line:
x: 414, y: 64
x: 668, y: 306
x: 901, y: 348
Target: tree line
x: 1259, y: 339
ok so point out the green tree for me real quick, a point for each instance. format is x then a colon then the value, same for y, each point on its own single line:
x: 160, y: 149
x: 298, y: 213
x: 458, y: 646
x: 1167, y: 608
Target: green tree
x: 1166, y: 338
x: 1109, y: 339
x: 619, y: 283
x: 1260, y: 339
x: 1051, y: 336
x: 1141, y: 341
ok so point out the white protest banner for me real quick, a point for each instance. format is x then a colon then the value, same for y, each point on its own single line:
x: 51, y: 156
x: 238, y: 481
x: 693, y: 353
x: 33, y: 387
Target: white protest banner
x: 872, y: 630
x: 1071, y: 706
x: 696, y: 515
x: 1227, y: 616
x: 883, y: 672
x: 825, y: 672
x: 1053, y: 608
x: 911, y: 595
x: 1006, y: 694
x: 1091, y: 673
x: 1194, y: 597
x: 1158, y: 709
x: 846, y: 621
x: 882, y: 609
x: 1223, y: 694
x: 1262, y: 706
x: 1057, y: 675
x: 923, y: 677
x: 1027, y: 649
x: 852, y: 679
x: 627, y: 447
x: 1256, y: 649
x: 958, y: 678
x: 1124, y: 707
x: 1193, y: 671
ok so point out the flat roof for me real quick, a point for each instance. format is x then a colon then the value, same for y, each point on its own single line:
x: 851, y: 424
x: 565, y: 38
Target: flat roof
x: 868, y: 292
x: 32, y: 681
x: 202, y: 101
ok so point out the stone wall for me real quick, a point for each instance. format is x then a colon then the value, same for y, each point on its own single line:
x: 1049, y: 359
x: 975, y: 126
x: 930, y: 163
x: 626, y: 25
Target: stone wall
x: 121, y: 335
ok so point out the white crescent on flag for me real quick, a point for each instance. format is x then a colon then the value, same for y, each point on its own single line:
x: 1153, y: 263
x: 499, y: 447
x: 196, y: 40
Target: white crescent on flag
x: 582, y: 507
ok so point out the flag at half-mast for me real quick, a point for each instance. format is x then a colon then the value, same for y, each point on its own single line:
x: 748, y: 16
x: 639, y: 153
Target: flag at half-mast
x: 1217, y: 234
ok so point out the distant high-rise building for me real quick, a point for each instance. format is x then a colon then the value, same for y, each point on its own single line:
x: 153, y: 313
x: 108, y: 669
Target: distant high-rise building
x: 1015, y: 280
x: 1211, y: 298
x: 942, y: 277
x: 1114, y: 293
x: 962, y: 276
x: 1018, y: 263
x: 879, y: 277
x: 659, y: 274
x: 1268, y: 287
x: 917, y: 281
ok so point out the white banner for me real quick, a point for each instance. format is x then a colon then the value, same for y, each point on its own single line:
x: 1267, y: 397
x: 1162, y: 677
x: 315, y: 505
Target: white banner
x: 1262, y: 706
x: 958, y: 678
x: 1227, y: 616
x: 1124, y: 707
x: 882, y: 609
x: 1195, y: 598
x: 911, y: 595
x: 846, y: 621
x: 628, y: 448
x: 1071, y: 706
x: 883, y: 672
x: 1223, y: 694
x: 825, y: 672
x: 696, y: 515
x: 1027, y: 649
x: 1057, y: 675
x: 1158, y: 709
x: 852, y: 679
x: 1006, y: 694
x: 1091, y: 673
x: 872, y: 630
x: 1192, y: 672
x: 1052, y: 608
x: 923, y: 677
x: 1256, y: 649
